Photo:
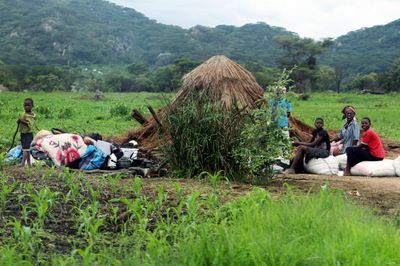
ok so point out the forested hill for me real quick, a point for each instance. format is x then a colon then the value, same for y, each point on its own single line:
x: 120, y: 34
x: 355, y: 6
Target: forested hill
x: 76, y: 32
x: 366, y: 50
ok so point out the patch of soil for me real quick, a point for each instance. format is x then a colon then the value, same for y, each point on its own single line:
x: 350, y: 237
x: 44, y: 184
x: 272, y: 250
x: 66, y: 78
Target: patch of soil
x: 382, y: 194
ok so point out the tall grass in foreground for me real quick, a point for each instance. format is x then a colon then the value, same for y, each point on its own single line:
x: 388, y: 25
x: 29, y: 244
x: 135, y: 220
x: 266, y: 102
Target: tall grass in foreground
x: 72, y: 222
x: 322, y: 229
x: 308, y: 230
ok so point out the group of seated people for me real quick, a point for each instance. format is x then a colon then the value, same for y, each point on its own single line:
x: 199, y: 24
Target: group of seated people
x: 369, y: 148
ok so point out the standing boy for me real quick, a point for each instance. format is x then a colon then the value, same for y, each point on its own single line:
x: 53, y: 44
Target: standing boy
x: 26, y: 122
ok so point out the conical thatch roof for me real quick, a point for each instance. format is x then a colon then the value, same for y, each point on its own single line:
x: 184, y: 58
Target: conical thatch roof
x: 219, y: 79
x: 222, y: 80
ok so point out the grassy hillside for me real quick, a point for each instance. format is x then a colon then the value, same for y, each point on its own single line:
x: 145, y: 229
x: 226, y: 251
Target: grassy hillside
x: 72, y: 32
x: 366, y: 50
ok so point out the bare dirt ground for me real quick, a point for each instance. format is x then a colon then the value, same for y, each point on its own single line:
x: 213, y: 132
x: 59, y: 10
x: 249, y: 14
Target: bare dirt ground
x: 382, y: 194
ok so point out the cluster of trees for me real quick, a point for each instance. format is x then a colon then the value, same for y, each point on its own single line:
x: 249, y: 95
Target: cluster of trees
x: 386, y: 81
x: 135, y: 77
x: 298, y: 54
x: 307, y: 76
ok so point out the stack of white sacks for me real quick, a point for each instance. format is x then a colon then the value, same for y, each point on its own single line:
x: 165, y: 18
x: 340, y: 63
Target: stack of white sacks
x: 333, y: 164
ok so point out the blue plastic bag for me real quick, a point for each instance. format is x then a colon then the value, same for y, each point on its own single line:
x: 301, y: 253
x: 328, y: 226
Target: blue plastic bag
x: 14, y: 155
x: 93, y: 158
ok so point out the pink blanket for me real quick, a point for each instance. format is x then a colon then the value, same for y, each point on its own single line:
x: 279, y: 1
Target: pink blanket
x: 63, y: 149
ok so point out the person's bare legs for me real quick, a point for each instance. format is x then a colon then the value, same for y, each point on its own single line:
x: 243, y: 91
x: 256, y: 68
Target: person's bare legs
x: 298, y: 158
x: 28, y: 159
x: 25, y: 158
x: 347, y: 170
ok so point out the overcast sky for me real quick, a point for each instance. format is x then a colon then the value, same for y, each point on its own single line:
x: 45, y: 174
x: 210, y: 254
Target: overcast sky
x: 309, y: 18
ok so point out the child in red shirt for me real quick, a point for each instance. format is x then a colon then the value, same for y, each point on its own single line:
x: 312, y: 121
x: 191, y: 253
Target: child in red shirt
x: 370, y: 148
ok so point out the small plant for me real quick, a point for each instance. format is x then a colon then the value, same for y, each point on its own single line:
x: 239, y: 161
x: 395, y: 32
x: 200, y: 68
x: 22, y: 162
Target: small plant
x: 138, y: 210
x: 23, y: 234
x: 65, y: 113
x: 214, y: 178
x: 113, y: 181
x: 162, y: 196
x: 137, y: 186
x: 44, y: 111
x: 4, y: 192
x: 43, y: 201
x: 89, y: 221
x: 119, y: 109
x: 2, y: 160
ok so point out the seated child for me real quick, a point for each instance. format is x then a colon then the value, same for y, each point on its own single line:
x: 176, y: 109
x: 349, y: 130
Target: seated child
x: 318, y: 147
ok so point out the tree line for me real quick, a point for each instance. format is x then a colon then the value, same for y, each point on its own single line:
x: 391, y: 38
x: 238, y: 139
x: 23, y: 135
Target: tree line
x: 300, y: 54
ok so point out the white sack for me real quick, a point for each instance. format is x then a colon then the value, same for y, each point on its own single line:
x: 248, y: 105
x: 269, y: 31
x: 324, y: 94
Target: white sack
x: 374, y: 168
x: 342, y: 161
x: 396, y: 165
x: 323, y: 166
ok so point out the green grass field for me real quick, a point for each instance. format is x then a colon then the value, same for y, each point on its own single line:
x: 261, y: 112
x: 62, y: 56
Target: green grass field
x: 56, y: 217
x: 383, y: 110
x: 80, y: 113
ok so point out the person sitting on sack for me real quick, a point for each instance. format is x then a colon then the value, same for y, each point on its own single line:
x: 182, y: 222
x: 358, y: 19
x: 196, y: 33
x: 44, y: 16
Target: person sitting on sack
x: 350, y: 132
x: 370, y: 148
x: 318, y: 147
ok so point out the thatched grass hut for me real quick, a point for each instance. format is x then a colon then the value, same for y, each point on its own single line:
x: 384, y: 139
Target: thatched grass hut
x: 219, y: 79
x: 222, y: 80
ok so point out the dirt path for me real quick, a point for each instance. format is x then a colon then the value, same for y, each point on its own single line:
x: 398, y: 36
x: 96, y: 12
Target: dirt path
x: 383, y: 194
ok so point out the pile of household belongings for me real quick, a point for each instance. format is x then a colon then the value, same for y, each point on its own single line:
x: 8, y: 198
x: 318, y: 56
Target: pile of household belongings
x: 84, y: 153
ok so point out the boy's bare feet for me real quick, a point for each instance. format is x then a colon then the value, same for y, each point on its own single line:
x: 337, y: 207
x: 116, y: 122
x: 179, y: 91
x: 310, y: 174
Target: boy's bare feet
x: 289, y: 171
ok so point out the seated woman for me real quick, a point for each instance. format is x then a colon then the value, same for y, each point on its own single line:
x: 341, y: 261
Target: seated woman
x: 350, y: 132
x: 370, y: 148
x: 318, y: 147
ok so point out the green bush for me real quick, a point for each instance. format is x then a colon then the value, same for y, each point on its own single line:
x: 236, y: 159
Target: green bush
x: 44, y: 111
x: 119, y: 109
x: 202, y: 138
x: 262, y: 140
x: 65, y: 113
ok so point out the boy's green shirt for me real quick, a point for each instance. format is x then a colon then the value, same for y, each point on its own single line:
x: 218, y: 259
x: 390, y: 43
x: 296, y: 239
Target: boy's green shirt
x: 30, y: 119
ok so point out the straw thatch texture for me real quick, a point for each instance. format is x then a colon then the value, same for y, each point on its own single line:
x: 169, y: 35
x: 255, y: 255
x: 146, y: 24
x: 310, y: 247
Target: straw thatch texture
x: 222, y: 80
x: 219, y: 79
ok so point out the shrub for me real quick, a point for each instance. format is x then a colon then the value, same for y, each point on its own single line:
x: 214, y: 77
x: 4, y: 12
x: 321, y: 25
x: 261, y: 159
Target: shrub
x: 44, y: 111
x: 262, y: 140
x: 202, y: 138
x: 65, y: 113
x: 119, y: 109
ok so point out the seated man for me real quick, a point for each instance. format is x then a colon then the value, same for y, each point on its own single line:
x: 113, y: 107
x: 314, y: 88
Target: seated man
x: 318, y: 147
